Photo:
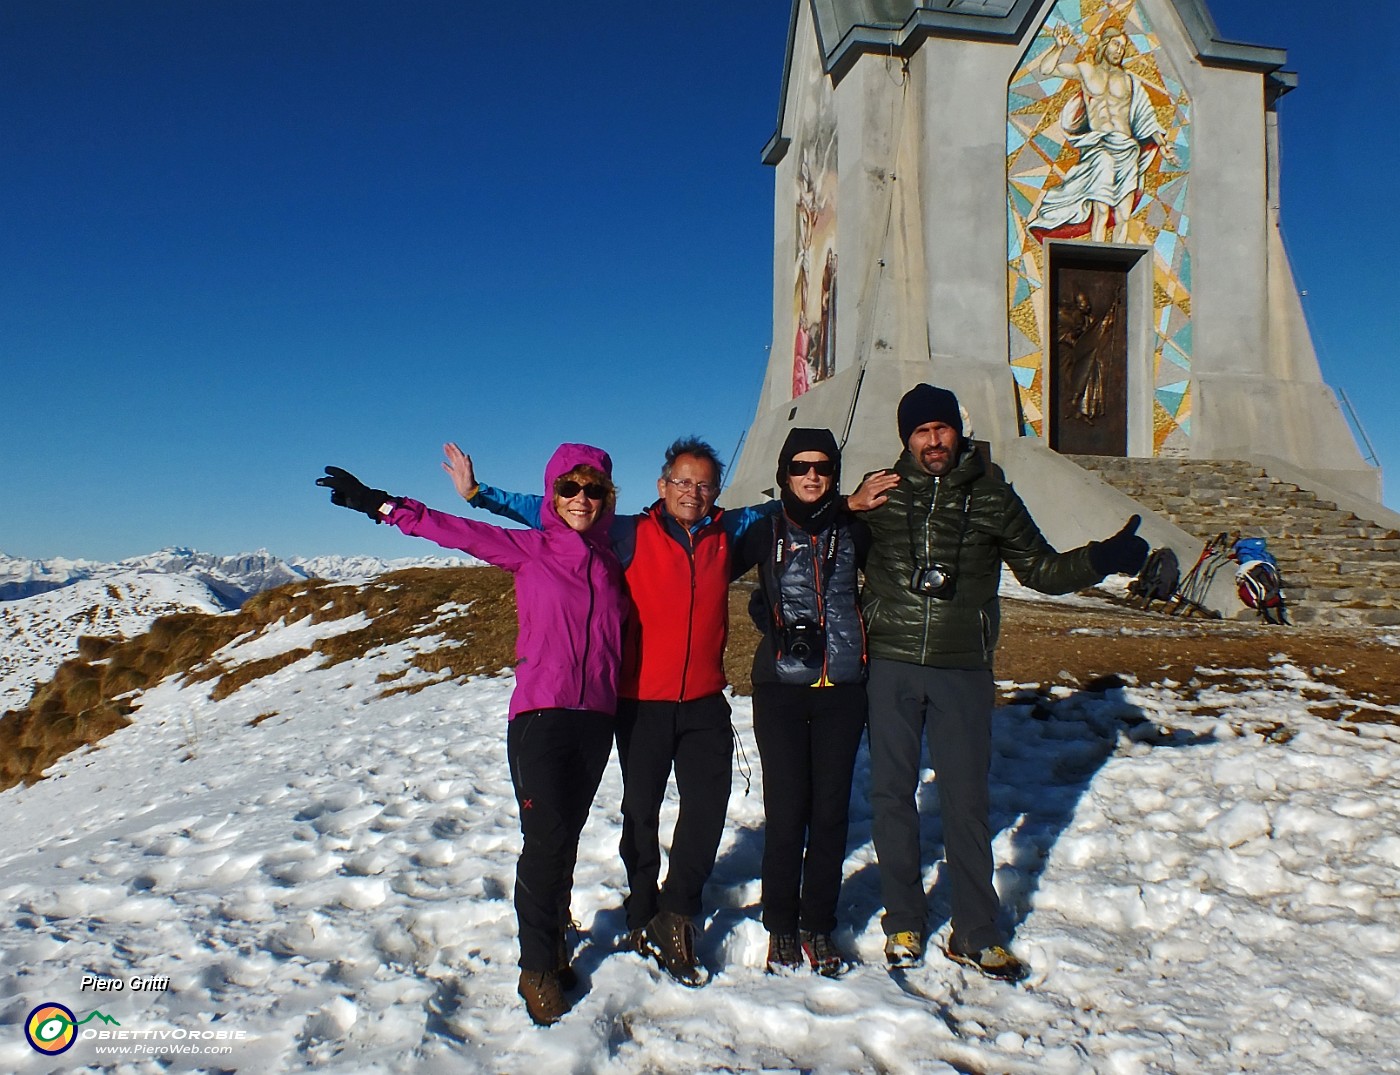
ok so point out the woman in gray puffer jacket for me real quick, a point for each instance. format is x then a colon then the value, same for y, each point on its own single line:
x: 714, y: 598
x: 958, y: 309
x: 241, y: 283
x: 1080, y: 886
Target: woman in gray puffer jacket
x: 809, y: 696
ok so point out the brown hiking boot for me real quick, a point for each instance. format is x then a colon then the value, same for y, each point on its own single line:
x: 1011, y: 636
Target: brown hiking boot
x: 544, y: 1000
x: 672, y: 938
x: 784, y: 952
x: 637, y: 942
x: 822, y: 953
x: 568, y: 979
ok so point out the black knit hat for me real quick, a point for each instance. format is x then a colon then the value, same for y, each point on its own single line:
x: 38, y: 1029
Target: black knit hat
x: 801, y: 440
x: 812, y: 517
x: 924, y: 403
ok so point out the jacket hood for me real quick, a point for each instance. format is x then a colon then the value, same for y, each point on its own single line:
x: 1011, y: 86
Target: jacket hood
x: 801, y: 440
x: 812, y: 517
x: 565, y: 458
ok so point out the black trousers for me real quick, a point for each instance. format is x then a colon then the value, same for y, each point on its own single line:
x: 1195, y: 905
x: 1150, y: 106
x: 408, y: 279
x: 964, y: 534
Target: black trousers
x: 695, y: 739
x: 557, y: 757
x: 807, y: 740
x: 951, y: 708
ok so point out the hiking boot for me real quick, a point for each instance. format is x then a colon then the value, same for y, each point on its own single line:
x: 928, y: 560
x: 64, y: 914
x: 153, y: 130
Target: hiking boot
x: 905, y: 948
x: 672, y: 940
x: 568, y: 979
x: 784, y: 952
x: 564, y: 971
x: 543, y: 998
x: 994, y: 961
x: 822, y: 953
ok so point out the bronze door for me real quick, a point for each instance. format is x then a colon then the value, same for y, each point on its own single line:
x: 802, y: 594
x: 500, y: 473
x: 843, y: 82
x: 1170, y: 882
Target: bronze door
x: 1089, y: 358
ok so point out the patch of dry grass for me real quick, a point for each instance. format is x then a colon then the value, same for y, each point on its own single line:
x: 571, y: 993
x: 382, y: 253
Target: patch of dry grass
x: 90, y: 695
x: 470, y: 613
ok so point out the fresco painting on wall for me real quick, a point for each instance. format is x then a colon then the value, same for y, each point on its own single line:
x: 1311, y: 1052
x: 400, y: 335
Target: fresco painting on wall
x: 1098, y: 150
x: 814, y: 290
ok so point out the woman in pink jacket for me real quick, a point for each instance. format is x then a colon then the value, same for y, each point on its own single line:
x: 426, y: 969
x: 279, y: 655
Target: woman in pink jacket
x: 571, y: 605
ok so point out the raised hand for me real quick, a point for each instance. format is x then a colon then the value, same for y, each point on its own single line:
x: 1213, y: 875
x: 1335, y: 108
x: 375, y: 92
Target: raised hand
x: 873, y: 491
x: 347, y: 491
x: 459, y: 467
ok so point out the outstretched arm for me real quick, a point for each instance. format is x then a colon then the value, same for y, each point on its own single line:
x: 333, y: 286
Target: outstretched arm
x: 509, y: 549
x: 504, y: 548
x: 458, y: 465
x: 521, y: 507
x: 739, y: 521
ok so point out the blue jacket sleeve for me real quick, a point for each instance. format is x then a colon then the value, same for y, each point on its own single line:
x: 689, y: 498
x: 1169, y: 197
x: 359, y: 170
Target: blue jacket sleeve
x: 736, y: 521
x: 522, y: 507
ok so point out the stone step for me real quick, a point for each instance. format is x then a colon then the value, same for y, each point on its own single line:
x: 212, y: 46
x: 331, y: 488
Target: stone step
x: 1335, y: 567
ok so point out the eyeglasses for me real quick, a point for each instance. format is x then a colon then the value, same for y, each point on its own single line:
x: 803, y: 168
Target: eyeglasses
x: 798, y: 467
x: 686, y: 485
x: 570, y: 489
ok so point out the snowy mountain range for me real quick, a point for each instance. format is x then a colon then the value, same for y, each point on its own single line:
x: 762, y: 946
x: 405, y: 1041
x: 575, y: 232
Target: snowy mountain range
x: 233, y: 578
x: 46, y: 605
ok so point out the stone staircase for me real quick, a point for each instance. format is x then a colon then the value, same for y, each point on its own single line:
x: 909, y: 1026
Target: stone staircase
x: 1336, y: 568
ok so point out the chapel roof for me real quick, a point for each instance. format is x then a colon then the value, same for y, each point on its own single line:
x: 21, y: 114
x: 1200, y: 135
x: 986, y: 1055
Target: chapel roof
x: 847, y: 29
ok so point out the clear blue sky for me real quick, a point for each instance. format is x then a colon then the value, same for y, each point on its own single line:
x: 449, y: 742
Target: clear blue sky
x: 242, y: 239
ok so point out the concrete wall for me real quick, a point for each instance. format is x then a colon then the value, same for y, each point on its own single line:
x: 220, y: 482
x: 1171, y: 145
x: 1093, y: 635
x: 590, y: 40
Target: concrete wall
x: 964, y: 196
x: 923, y: 295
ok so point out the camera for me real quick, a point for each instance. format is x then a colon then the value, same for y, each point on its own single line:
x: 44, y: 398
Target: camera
x: 805, y: 642
x: 936, y: 580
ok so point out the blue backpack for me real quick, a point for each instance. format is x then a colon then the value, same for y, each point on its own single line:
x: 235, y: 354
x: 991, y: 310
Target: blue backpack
x: 1258, y: 581
x: 1247, y: 549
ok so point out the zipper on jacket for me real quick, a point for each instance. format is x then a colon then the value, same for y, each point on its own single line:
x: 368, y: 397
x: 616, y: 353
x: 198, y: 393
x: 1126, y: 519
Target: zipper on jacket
x: 690, y: 619
x: 928, y: 559
x: 587, y: 628
x: 821, y: 605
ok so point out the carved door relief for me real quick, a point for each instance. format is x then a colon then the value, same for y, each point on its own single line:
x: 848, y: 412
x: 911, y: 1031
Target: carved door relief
x: 1089, y: 357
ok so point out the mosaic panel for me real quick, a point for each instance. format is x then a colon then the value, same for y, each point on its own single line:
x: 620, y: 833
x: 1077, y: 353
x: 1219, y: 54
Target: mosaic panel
x: 1098, y: 149
x: 814, y: 252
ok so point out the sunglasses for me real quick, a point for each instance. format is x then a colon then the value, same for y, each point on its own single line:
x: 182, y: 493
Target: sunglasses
x: 570, y: 489
x: 824, y: 467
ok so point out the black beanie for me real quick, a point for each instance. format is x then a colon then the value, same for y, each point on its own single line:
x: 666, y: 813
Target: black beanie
x: 801, y: 440
x: 924, y: 403
x: 811, y: 517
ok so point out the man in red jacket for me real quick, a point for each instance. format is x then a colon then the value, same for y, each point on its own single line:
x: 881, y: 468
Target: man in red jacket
x: 672, y: 712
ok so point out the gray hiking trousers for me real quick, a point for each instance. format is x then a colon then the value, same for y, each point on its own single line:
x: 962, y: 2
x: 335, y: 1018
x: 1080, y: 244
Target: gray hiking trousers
x: 952, y: 707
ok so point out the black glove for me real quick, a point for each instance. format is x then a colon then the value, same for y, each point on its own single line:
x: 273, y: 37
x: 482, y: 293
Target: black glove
x: 347, y: 491
x: 1122, y: 554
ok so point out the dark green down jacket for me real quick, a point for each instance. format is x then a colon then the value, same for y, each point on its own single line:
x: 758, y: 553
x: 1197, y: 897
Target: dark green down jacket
x: 970, y: 520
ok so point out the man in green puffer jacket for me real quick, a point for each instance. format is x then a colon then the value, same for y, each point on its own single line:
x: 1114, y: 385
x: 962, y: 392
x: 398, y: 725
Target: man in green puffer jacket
x: 942, y: 522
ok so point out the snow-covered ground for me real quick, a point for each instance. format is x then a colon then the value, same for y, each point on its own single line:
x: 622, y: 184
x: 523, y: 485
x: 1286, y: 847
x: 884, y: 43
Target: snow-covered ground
x: 39, y: 633
x: 324, y: 876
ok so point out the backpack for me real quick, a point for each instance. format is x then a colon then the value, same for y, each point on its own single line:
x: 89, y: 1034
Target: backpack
x: 1257, y: 580
x: 1158, y: 579
x: 1250, y: 550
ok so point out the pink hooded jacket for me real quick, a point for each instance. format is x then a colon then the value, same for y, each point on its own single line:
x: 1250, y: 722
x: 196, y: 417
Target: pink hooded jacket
x: 569, y: 592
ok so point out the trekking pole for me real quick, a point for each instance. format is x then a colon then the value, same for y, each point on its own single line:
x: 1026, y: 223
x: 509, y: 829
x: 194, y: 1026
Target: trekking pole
x: 1178, y: 598
x: 1219, y: 557
x: 1187, y: 592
